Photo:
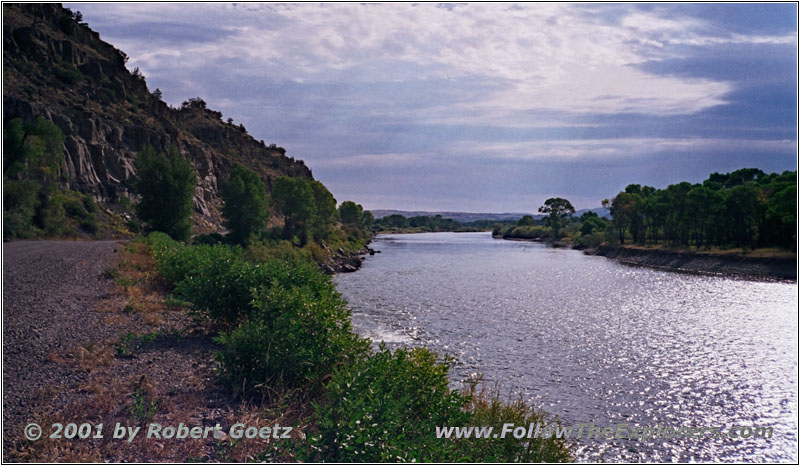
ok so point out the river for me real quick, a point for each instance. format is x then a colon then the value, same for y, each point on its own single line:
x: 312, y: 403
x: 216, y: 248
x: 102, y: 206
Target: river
x: 590, y: 340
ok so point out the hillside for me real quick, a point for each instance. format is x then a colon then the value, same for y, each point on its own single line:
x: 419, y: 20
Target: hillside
x: 57, y: 68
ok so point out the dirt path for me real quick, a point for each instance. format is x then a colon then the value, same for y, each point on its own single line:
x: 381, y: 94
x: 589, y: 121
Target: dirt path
x: 49, y: 289
x: 88, y: 337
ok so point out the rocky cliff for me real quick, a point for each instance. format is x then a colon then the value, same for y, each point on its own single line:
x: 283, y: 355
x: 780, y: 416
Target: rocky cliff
x: 56, y: 67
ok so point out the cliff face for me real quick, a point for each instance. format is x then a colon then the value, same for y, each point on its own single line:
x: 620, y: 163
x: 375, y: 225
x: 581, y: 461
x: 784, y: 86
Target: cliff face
x: 59, y: 69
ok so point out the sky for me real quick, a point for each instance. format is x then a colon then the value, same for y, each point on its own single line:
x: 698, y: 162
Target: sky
x: 483, y: 107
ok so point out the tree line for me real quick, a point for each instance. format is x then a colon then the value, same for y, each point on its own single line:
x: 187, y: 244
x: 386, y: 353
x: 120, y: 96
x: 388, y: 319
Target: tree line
x: 166, y: 185
x: 744, y: 208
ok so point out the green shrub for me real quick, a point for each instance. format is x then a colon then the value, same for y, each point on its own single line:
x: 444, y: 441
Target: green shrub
x: 299, y: 330
x: 134, y: 225
x: 89, y: 225
x: 282, y: 251
x: 19, y: 208
x: 209, y: 239
x: 89, y: 204
x: 385, y: 408
x: 528, y: 232
x: 68, y: 74
x: 74, y: 207
x: 592, y: 240
x: 486, y: 408
x: 218, y: 281
x: 52, y: 217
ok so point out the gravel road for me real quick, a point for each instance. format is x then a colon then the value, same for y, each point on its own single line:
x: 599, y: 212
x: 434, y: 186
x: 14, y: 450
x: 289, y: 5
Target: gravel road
x: 49, y: 289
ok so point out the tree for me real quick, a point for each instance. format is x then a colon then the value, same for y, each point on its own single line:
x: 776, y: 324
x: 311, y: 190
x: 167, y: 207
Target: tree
x: 367, y: 219
x: 350, y: 213
x: 157, y: 94
x: 622, y: 209
x: 556, y: 209
x: 245, y: 204
x: 526, y: 220
x: 294, y: 199
x: 324, y: 212
x: 166, y: 185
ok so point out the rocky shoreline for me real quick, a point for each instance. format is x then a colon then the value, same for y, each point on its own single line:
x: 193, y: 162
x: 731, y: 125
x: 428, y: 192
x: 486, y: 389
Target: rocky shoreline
x: 783, y: 268
x: 344, y: 262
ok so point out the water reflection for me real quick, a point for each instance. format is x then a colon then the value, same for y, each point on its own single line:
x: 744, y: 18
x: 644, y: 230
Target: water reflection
x: 591, y: 340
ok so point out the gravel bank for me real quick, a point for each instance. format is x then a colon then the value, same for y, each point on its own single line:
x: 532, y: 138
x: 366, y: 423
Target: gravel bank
x: 49, y: 289
x: 722, y: 264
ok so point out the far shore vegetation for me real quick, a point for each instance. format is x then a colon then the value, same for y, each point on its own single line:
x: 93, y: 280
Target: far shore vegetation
x: 746, y: 211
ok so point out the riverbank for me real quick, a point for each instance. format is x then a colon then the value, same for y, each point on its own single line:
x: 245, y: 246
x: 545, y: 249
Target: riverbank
x: 731, y: 263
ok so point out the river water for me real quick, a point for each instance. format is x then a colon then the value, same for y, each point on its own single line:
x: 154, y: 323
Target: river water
x: 590, y: 340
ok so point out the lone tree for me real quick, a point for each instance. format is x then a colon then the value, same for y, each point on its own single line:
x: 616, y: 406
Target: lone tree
x: 166, y: 184
x: 556, y: 209
x: 294, y: 199
x: 245, y: 204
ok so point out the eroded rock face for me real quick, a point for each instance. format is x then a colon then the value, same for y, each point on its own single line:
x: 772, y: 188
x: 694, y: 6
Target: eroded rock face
x: 59, y: 70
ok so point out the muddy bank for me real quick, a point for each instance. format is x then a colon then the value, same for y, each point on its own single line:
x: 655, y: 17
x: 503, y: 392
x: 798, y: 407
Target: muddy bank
x: 722, y: 264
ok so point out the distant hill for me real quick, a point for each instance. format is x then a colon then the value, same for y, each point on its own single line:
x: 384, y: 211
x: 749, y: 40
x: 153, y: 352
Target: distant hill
x: 466, y: 217
x: 462, y: 217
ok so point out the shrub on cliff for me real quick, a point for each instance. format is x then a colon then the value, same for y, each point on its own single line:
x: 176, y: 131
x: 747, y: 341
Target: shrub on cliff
x: 166, y: 185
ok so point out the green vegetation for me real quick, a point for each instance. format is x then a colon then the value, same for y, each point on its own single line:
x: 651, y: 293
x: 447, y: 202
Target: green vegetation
x: 286, y: 335
x: 166, y: 185
x: 746, y: 208
x: 556, y: 209
x: 422, y: 223
x: 33, y: 205
x: 294, y: 199
x: 245, y: 204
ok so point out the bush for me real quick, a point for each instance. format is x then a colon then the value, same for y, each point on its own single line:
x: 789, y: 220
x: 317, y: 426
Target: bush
x: 528, y: 232
x: 52, y: 216
x: 592, y: 240
x: 134, y: 225
x: 487, y: 409
x: 19, y: 208
x: 166, y: 184
x: 209, y: 239
x: 68, y: 74
x: 385, y: 408
x: 89, y: 204
x: 89, y: 225
x: 74, y: 208
x: 282, y: 251
x: 218, y: 281
x: 294, y: 341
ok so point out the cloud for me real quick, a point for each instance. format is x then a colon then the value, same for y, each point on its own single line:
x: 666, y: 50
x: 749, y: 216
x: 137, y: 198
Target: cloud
x: 544, y: 56
x: 620, y: 148
x: 467, y: 106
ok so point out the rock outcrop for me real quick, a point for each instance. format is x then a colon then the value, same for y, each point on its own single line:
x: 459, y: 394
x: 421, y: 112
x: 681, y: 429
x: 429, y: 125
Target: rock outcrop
x: 57, y: 68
